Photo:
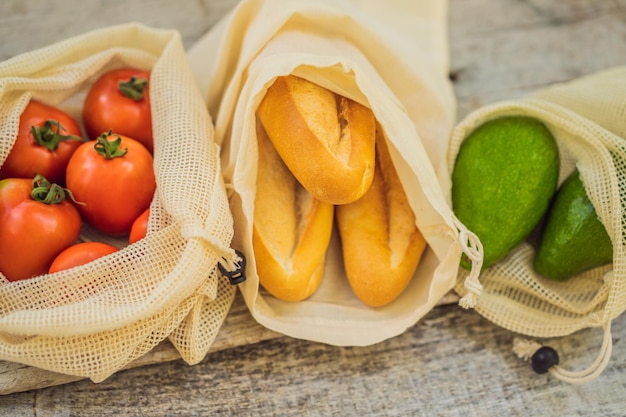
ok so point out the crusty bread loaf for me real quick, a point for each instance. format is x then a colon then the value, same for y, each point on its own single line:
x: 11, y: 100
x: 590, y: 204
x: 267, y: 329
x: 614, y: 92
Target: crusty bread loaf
x: 326, y: 140
x: 291, y: 230
x: 381, y: 244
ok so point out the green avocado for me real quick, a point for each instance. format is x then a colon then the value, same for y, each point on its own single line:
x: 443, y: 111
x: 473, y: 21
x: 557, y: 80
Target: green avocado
x: 574, y: 239
x: 504, y: 177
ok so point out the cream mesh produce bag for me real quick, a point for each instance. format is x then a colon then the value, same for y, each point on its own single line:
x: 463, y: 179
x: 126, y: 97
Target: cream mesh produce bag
x: 95, y: 319
x: 588, y: 119
x: 390, y: 56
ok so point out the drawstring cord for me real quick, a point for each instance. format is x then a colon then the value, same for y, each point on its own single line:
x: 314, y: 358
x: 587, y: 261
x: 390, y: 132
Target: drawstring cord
x: 233, y: 263
x: 526, y: 350
x: 473, y: 249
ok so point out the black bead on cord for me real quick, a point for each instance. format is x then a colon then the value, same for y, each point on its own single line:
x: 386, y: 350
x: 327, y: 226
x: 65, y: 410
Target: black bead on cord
x: 544, y: 358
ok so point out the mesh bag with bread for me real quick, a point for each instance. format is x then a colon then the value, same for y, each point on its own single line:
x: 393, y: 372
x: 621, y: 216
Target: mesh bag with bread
x: 554, y: 282
x: 333, y: 119
x: 94, y: 319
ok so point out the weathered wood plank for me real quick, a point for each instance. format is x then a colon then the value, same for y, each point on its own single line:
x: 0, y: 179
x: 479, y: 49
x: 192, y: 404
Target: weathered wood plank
x: 453, y: 363
x: 30, y: 24
x: 517, y: 47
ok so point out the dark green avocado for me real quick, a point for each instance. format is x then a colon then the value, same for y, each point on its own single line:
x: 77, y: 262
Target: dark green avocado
x: 574, y: 239
x: 503, y: 180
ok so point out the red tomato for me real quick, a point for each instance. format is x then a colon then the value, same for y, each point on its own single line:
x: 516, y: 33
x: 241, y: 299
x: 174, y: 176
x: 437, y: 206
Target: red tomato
x: 112, y: 180
x: 36, y: 224
x: 80, y: 254
x: 120, y: 101
x: 140, y: 227
x: 45, y: 140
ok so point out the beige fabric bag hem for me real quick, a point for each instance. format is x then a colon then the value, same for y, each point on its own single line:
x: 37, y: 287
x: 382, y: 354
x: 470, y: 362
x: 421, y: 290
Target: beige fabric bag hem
x: 586, y: 118
x: 94, y: 319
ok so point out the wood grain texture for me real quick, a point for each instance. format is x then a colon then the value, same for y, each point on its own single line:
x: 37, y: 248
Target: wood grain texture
x: 507, y: 49
x: 452, y: 363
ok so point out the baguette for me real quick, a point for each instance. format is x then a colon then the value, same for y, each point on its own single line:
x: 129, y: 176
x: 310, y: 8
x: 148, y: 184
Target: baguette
x: 291, y: 229
x: 381, y: 243
x: 326, y: 140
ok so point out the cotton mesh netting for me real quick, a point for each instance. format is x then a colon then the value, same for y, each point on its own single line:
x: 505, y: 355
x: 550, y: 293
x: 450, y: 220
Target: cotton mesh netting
x: 95, y: 319
x: 588, y: 119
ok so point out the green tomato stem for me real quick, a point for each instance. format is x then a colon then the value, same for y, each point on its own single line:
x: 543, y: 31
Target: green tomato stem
x: 51, y: 138
x: 46, y: 192
x: 133, y: 88
x: 109, y: 149
x: 50, y: 193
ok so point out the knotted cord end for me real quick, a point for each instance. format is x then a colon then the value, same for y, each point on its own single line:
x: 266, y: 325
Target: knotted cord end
x: 473, y: 249
x: 525, y: 348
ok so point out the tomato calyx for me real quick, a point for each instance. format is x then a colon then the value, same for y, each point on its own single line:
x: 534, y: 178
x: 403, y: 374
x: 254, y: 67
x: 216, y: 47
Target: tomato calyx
x: 51, y: 138
x: 46, y: 192
x: 109, y: 149
x: 133, y: 88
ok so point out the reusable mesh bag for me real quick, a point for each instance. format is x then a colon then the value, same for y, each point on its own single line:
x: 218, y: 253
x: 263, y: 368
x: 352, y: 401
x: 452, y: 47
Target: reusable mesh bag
x: 93, y: 320
x: 389, y: 56
x: 588, y: 119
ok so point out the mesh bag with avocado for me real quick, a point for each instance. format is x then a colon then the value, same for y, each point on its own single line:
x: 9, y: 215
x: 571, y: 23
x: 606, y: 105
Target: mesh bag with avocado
x: 542, y: 182
x: 86, y: 317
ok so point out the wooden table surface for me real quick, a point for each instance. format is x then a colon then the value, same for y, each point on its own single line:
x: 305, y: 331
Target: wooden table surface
x: 453, y: 362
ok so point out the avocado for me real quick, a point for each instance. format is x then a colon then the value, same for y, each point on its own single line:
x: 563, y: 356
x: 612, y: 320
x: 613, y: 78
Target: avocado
x: 574, y: 239
x: 503, y: 179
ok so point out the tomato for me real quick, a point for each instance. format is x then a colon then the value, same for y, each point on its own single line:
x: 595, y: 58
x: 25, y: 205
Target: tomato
x: 140, y: 227
x: 120, y: 101
x: 36, y: 224
x: 80, y: 254
x: 46, y: 138
x: 113, y: 182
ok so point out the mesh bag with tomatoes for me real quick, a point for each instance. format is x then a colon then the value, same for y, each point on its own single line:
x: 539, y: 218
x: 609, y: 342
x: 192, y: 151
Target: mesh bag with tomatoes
x: 113, y: 214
